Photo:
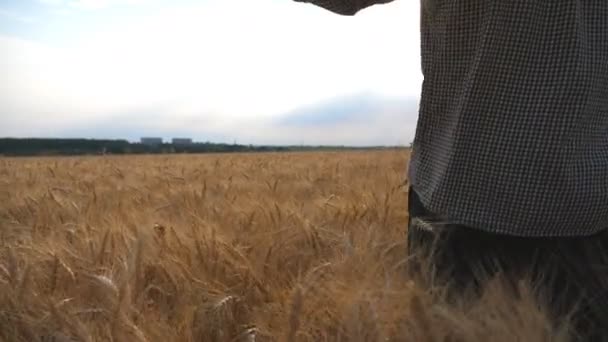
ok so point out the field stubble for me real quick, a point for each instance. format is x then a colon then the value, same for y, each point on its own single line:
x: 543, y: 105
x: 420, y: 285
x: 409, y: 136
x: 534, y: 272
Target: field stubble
x: 241, y: 247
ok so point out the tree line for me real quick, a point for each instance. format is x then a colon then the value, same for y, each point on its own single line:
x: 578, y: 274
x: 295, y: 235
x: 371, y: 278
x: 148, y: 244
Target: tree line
x: 44, y: 146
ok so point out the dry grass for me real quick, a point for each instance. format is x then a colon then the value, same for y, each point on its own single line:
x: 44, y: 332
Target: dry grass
x: 265, y: 247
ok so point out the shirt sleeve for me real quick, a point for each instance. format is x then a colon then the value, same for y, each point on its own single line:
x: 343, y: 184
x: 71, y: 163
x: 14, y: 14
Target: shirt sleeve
x: 345, y: 7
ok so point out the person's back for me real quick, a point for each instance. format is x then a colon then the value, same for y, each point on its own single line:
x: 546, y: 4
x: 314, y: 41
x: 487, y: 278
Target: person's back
x: 513, y: 130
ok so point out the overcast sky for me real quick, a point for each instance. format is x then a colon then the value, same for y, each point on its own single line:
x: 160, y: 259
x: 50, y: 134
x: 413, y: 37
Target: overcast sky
x: 255, y: 71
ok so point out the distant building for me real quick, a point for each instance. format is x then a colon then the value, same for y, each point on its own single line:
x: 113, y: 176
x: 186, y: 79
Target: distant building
x: 181, y: 141
x: 151, y: 141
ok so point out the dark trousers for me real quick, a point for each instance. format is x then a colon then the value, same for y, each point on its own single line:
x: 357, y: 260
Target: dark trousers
x: 568, y: 274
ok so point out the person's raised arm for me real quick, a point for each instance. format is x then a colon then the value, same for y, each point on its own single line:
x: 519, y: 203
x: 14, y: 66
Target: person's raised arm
x: 345, y: 7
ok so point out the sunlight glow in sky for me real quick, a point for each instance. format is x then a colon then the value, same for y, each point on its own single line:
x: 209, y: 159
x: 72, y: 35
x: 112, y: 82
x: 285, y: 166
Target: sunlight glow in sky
x: 209, y: 69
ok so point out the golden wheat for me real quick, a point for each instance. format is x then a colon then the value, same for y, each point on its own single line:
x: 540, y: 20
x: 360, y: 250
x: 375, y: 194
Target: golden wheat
x: 240, y: 247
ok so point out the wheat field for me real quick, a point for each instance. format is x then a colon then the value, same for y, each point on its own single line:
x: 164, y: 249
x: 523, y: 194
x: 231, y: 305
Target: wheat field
x: 233, y: 247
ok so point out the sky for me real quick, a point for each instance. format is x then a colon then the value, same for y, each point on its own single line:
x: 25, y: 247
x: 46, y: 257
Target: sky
x: 250, y: 71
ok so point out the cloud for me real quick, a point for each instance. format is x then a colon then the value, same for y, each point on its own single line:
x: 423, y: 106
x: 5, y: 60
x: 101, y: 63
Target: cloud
x: 16, y: 16
x: 356, y: 119
x: 354, y: 107
x: 100, y: 4
x: 92, y: 4
x: 362, y: 120
x: 235, y: 69
x: 53, y: 2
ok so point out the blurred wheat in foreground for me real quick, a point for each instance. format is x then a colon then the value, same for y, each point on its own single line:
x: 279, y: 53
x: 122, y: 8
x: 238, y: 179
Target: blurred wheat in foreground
x: 258, y: 247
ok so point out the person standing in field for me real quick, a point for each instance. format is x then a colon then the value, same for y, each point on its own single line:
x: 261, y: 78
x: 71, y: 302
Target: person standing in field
x: 509, y: 171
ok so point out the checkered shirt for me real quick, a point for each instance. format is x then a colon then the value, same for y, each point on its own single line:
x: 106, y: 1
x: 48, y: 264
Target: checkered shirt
x: 512, y: 134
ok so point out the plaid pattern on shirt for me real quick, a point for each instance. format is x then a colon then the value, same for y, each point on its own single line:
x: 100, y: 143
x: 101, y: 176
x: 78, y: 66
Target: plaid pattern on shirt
x: 512, y: 134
